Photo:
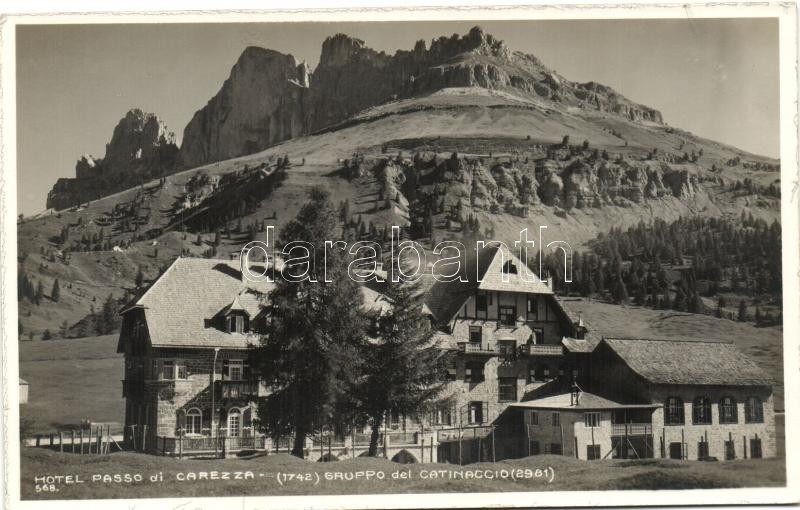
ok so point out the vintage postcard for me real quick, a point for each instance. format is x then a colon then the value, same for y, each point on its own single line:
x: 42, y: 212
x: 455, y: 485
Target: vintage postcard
x: 400, y: 258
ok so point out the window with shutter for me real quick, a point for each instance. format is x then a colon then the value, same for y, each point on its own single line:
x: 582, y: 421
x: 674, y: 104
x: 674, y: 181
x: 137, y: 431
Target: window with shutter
x: 481, y: 303
x: 673, y: 411
x: 235, y: 370
x: 753, y: 410
x: 181, y: 369
x: 727, y: 410
x: 532, y: 307
x: 701, y: 411
x: 475, y: 334
x: 168, y: 370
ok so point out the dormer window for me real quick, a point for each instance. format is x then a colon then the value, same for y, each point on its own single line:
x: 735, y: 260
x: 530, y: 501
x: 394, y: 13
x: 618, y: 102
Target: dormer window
x: 236, y: 323
x: 509, y: 267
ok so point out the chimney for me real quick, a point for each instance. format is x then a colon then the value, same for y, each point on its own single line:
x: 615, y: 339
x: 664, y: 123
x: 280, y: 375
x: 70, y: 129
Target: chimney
x: 575, y: 395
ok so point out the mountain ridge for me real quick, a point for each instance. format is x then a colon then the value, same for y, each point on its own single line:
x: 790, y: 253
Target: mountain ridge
x: 352, y: 77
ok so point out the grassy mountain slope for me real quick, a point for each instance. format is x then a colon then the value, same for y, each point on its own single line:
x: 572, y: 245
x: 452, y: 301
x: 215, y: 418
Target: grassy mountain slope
x: 147, y: 222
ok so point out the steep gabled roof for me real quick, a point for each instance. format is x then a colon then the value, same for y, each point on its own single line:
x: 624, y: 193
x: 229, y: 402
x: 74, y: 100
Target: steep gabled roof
x: 193, y: 290
x: 180, y: 303
x: 586, y: 401
x: 483, y: 270
x: 688, y: 362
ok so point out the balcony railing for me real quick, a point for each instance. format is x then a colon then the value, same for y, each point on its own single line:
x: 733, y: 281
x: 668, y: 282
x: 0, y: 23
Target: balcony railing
x: 631, y: 429
x: 189, y: 445
x: 464, y: 433
x: 542, y: 350
x: 237, y: 389
x: 482, y: 348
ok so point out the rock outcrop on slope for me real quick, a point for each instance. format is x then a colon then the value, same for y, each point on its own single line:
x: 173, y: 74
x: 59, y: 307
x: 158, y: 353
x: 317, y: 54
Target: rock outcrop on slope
x: 466, y: 184
x: 141, y: 148
x: 269, y: 97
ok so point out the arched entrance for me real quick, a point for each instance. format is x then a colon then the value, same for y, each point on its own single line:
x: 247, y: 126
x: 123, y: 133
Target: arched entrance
x: 234, y: 422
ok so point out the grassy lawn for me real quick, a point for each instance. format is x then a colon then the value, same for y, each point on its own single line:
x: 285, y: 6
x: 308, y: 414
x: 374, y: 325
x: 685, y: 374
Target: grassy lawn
x: 568, y: 474
x: 72, y: 380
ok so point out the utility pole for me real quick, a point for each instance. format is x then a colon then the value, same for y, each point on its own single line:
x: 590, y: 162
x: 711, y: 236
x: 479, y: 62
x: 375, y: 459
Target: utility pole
x: 213, y: 395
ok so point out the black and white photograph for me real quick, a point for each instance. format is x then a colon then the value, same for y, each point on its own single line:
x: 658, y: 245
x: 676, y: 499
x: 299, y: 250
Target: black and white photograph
x: 418, y: 256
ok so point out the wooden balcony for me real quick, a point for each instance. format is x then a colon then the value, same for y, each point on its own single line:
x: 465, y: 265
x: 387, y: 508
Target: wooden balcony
x: 631, y: 429
x: 237, y: 390
x: 464, y: 433
x: 542, y: 350
x: 477, y: 349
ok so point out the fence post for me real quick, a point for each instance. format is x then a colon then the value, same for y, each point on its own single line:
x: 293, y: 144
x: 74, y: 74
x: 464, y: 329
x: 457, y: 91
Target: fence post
x: 422, y: 451
x: 38, y: 439
x: 494, y: 456
x: 224, y: 443
x: 72, y: 440
x: 144, y: 438
x: 329, y: 447
x: 51, y: 439
x: 81, y: 439
x: 180, y: 444
x: 60, y: 442
x: 460, y: 462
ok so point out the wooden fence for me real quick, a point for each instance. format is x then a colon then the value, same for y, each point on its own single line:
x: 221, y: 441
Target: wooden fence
x: 92, y: 440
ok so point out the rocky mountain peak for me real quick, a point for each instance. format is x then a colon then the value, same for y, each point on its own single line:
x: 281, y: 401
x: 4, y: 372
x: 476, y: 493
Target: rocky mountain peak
x: 141, y: 148
x: 137, y: 136
x: 341, y: 49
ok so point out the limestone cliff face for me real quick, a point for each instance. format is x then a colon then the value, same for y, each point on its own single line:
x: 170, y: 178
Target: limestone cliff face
x: 512, y: 186
x: 141, y: 148
x: 269, y: 98
x: 262, y: 103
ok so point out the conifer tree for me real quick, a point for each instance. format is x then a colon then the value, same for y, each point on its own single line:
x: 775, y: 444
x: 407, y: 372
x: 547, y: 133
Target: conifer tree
x: 310, y: 352
x: 403, y: 367
x: 39, y: 292
x: 55, y: 294
x: 742, y: 311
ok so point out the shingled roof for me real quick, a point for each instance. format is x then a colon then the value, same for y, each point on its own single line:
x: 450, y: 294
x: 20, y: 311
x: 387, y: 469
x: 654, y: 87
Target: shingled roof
x: 180, y: 303
x: 482, y: 270
x: 193, y: 290
x: 688, y: 362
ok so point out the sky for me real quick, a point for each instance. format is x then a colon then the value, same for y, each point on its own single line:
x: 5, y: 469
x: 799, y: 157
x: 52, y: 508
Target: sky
x: 717, y: 77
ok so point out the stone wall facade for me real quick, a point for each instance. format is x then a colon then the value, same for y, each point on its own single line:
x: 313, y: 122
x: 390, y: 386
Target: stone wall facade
x: 716, y: 434
x: 163, y: 403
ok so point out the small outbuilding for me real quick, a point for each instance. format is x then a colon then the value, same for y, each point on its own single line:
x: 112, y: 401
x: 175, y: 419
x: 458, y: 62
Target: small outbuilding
x: 23, y: 391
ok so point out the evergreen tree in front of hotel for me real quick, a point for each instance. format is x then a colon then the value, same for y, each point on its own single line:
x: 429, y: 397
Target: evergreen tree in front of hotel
x: 402, y: 365
x: 309, y: 354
